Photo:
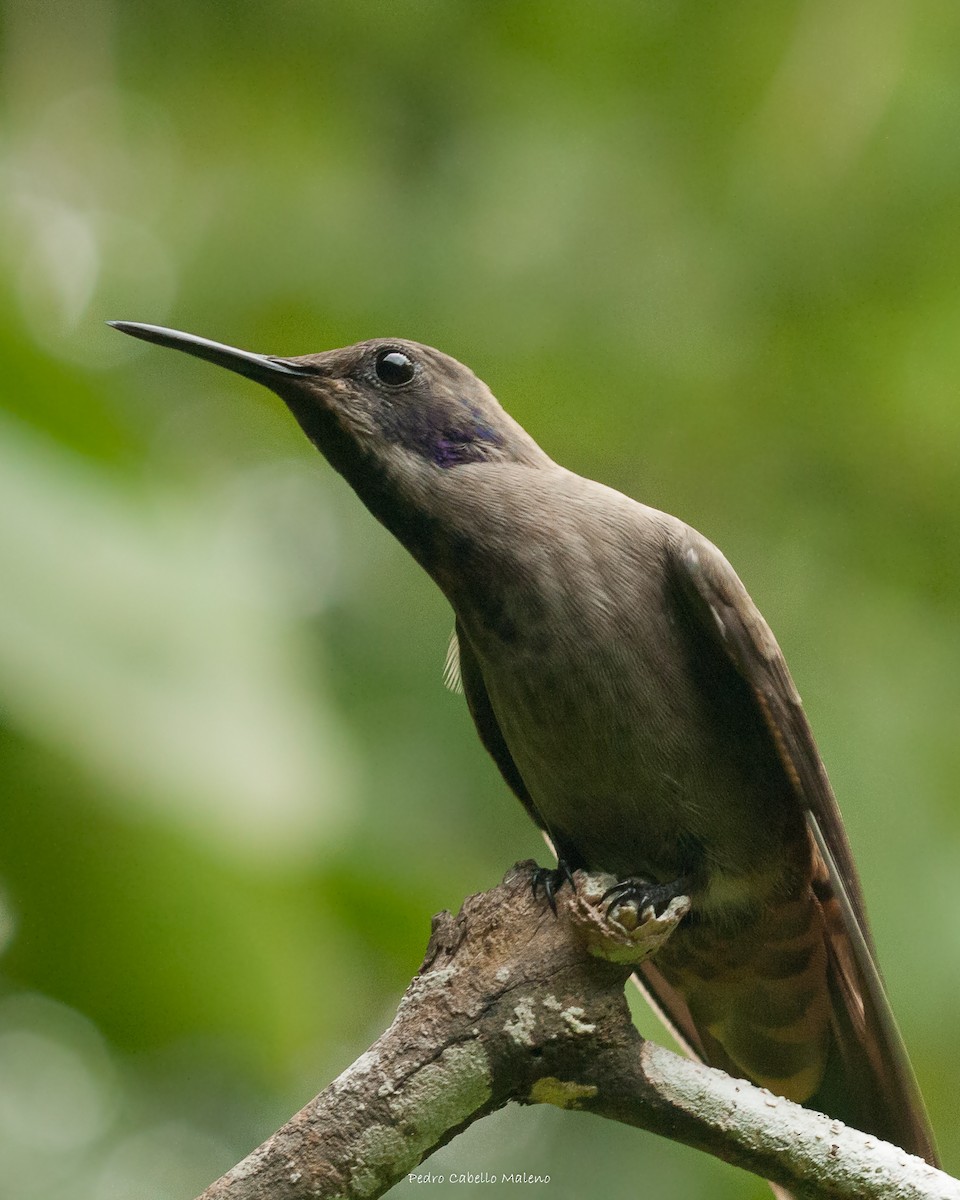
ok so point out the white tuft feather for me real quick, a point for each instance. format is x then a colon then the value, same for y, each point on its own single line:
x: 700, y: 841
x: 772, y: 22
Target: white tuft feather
x: 452, y: 678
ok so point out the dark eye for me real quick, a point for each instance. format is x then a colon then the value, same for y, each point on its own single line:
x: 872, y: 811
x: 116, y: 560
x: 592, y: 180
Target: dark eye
x: 394, y: 367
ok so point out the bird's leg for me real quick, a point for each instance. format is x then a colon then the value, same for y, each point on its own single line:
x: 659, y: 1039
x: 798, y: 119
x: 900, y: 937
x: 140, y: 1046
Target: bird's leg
x: 645, y: 895
x: 552, y: 879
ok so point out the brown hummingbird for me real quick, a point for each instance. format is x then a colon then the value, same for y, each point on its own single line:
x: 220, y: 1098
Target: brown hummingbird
x: 639, y: 706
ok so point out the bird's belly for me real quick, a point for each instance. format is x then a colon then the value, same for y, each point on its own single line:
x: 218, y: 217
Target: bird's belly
x: 634, y: 771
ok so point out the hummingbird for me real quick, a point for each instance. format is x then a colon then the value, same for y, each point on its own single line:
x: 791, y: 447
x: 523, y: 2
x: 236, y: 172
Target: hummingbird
x: 638, y: 705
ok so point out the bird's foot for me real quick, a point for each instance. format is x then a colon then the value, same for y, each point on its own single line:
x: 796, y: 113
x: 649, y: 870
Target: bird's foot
x: 612, y: 922
x: 645, y: 898
x: 552, y: 879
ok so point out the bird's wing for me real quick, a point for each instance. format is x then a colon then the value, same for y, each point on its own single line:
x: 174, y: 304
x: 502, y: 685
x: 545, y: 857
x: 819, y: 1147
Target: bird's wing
x: 723, y: 609
x: 875, y: 1060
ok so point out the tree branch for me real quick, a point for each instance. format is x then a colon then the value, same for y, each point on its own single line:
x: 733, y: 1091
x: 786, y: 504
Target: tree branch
x: 512, y: 1003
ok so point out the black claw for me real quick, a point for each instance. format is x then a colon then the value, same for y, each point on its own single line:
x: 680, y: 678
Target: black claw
x: 645, y: 894
x: 552, y: 879
x: 550, y: 891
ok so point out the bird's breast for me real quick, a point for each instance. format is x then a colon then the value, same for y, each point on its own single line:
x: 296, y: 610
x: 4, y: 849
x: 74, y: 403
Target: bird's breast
x: 627, y: 755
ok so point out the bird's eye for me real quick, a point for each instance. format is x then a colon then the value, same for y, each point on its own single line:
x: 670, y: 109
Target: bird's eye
x: 394, y: 367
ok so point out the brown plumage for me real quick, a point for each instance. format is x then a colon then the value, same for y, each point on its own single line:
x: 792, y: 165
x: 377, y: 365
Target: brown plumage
x: 638, y: 705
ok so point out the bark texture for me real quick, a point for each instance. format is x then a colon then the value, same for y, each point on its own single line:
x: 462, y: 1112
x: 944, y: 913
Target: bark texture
x: 513, y: 1003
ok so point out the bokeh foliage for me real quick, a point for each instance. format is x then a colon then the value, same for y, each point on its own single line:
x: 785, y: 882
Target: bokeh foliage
x: 707, y: 253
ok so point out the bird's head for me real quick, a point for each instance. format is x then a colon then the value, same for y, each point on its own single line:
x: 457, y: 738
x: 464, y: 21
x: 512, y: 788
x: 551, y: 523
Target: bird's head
x: 399, y: 420
x: 383, y: 400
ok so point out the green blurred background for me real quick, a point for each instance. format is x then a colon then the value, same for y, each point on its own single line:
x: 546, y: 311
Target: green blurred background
x: 707, y: 253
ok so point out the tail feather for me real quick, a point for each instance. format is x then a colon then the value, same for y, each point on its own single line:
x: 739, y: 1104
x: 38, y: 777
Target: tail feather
x: 869, y: 1082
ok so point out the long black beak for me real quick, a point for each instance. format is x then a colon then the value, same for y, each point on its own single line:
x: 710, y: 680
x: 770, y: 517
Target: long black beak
x: 255, y: 366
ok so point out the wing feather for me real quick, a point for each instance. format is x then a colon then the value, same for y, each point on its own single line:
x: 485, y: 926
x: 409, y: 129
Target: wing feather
x: 876, y: 1065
